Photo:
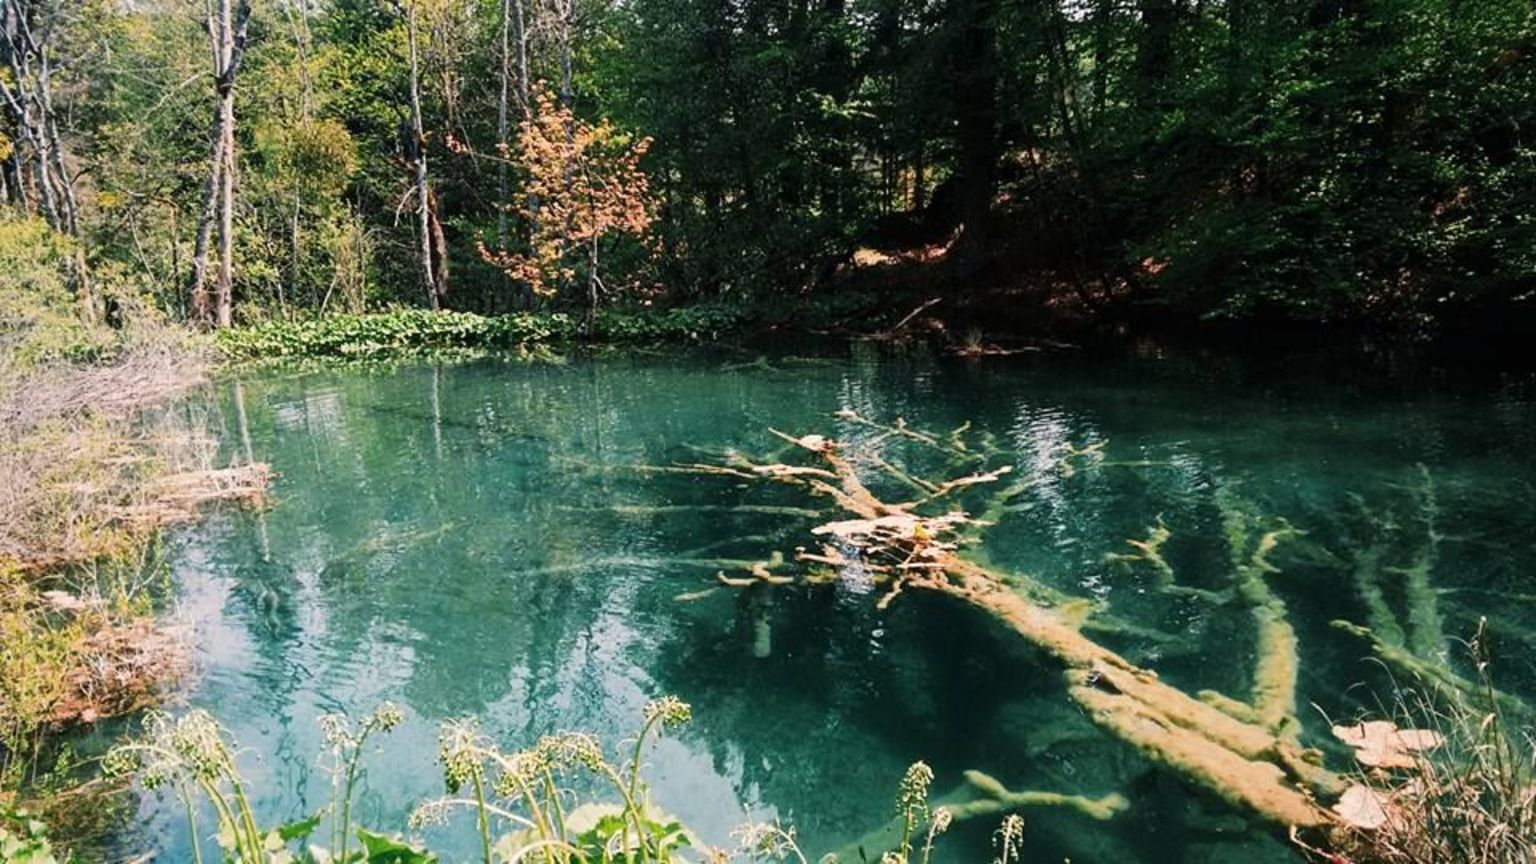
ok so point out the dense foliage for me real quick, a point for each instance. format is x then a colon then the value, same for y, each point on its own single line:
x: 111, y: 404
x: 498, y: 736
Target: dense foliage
x: 1238, y: 158
x: 405, y: 331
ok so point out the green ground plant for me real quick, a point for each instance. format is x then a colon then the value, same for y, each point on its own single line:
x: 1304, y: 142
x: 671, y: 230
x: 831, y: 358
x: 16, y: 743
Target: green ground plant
x: 522, y: 802
x: 416, y: 331
x: 24, y: 840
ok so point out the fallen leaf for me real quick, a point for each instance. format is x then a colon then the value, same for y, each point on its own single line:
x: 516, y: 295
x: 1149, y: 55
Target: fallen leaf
x: 1380, y: 744
x: 1363, y: 807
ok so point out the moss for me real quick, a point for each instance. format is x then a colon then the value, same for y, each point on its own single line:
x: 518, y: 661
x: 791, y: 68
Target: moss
x: 1437, y: 675
x: 1277, y: 662
x: 1426, y: 629
x: 1149, y: 552
x: 1366, y: 574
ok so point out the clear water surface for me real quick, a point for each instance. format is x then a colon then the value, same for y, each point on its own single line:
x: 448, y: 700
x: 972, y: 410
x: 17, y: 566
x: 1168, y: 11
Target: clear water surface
x: 467, y: 540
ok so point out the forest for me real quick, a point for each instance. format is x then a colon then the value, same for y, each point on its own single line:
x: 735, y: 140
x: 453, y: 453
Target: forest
x: 653, y: 431
x: 253, y: 161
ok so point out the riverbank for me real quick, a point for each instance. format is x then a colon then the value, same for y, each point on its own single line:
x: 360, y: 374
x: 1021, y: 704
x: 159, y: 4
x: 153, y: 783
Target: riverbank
x: 95, y: 464
x: 978, y: 328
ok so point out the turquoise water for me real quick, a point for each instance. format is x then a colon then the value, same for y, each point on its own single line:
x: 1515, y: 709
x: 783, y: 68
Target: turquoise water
x: 466, y: 540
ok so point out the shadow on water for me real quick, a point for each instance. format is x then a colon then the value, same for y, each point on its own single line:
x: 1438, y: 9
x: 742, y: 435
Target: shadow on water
x: 472, y: 540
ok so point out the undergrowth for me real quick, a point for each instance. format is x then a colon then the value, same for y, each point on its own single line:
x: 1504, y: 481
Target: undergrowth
x: 520, y: 803
x: 409, y: 332
x: 1470, y: 798
x: 404, y: 331
x: 91, y: 469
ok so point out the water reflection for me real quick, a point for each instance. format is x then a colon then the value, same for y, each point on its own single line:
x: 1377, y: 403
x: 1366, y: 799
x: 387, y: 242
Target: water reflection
x: 473, y: 541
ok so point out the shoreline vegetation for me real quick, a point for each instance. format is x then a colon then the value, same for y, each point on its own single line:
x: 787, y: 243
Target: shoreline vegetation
x: 98, y: 456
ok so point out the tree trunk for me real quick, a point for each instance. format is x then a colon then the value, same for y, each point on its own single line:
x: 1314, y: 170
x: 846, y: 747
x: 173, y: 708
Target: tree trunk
x: 1103, y: 17
x: 976, y: 107
x: 202, y: 309
x: 918, y: 179
x: 1154, y: 54
x: 227, y: 26
x: 417, y: 151
x: 27, y: 49
x: 21, y: 91
x: 514, y: 37
x: 503, y: 114
x: 439, y: 252
x: 225, y: 286
x: 58, y: 175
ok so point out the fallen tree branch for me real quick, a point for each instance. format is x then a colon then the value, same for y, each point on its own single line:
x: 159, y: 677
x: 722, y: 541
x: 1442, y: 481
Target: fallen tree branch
x: 1242, y: 759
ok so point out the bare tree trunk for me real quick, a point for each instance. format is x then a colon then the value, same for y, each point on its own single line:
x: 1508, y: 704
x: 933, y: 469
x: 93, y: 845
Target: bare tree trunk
x: 594, y: 283
x: 918, y: 178
x: 26, y: 43
x: 514, y: 35
x: 202, y: 309
x: 1103, y: 17
x: 439, y: 252
x: 225, y: 287
x: 20, y: 91
x: 503, y: 124
x: 564, y: 12
x: 417, y: 150
x: 12, y: 190
x: 69, y: 221
x: 227, y: 26
x: 520, y: 37
x: 298, y: 22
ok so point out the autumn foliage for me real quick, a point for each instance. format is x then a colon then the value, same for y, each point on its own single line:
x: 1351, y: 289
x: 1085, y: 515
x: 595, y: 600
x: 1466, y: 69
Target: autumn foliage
x: 582, y: 184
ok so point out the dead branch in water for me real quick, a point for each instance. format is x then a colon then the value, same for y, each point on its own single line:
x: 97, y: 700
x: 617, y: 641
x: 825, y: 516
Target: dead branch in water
x: 980, y: 795
x: 895, y: 330
x: 1246, y: 754
x: 89, y: 474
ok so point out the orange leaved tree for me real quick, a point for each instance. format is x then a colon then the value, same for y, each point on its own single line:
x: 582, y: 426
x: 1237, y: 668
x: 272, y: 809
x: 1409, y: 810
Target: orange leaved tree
x: 582, y: 184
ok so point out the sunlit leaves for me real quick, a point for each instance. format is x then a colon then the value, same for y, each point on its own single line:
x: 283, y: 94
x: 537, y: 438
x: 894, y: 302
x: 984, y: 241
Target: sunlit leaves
x: 582, y: 184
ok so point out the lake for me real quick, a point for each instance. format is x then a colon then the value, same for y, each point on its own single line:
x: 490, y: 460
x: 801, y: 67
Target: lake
x: 473, y: 539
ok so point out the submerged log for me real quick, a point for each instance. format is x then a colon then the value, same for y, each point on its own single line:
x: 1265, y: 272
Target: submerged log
x: 1253, y: 763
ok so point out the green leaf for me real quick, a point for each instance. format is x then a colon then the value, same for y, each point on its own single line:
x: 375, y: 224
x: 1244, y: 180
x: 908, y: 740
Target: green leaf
x: 391, y: 850
x: 299, y: 830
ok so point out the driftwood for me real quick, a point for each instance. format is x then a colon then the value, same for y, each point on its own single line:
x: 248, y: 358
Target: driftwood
x: 1245, y: 753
